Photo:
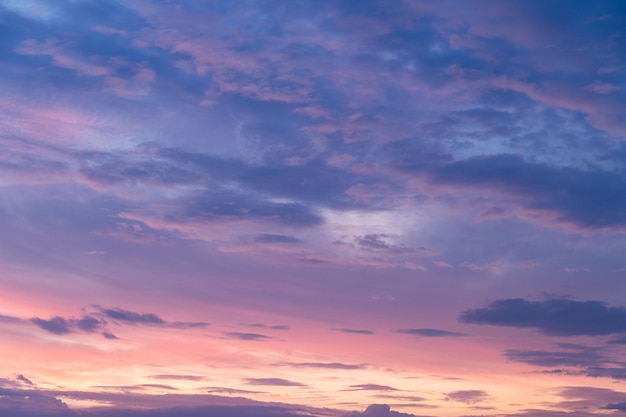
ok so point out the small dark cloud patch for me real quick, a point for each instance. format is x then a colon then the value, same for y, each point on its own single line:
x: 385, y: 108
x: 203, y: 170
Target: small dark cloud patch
x: 275, y: 382
x: 11, y: 319
x: 354, y: 331
x: 616, y: 406
x: 270, y: 327
x: 55, y: 325
x: 552, y: 317
x: 620, y: 341
x: 379, y: 242
x: 247, y: 336
x: 61, y: 326
x: 132, y: 317
x: 468, y: 396
x: 371, y: 387
x: 150, y: 319
x: 271, y: 238
x: 89, y: 324
x: 323, y: 365
x: 25, y: 380
x: 425, y: 332
x: 98, y: 321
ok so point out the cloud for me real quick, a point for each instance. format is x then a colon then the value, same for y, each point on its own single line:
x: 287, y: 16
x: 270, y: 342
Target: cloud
x: 468, y: 396
x: 555, y: 359
x: 272, y: 238
x: 425, y: 332
x: 132, y: 317
x: 589, y: 199
x: 222, y: 390
x: 61, y: 326
x: 25, y: 380
x: 247, y: 336
x: 11, y: 320
x: 149, y: 319
x: 323, y: 365
x: 270, y: 327
x: 354, y: 331
x: 56, y: 325
x: 377, y: 410
x: 96, y: 321
x: 371, y: 387
x: 276, y: 382
x: 619, y: 341
x: 616, y: 406
x: 591, y: 362
x: 551, y: 317
x: 178, y: 377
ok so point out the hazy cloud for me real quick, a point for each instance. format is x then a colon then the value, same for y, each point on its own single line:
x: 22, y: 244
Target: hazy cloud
x: 323, y: 365
x: 371, y: 387
x: 468, y: 396
x: 277, y: 382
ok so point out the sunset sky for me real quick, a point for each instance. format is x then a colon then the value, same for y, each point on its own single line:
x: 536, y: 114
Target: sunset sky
x: 283, y: 208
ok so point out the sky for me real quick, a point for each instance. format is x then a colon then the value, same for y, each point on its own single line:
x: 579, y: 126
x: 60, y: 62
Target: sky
x: 312, y: 208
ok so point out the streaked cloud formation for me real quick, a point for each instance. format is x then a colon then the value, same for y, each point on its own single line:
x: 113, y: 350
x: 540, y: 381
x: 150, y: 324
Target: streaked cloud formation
x: 312, y: 208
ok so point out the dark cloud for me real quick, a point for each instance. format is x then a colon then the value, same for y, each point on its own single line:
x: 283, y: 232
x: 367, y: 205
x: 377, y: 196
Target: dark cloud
x: 277, y: 382
x: 378, y: 242
x: 591, y: 362
x: 616, y: 406
x: 95, y: 322
x: 354, y: 331
x: 613, y: 372
x: 323, y: 365
x: 591, y: 199
x: 132, y: 317
x: 247, y: 336
x: 551, y: 317
x: 150, y: 319
x: 468, y: 396
x: 425, y: 332
x: 371, y: 387
x: 60, y: 325
x: 270, y: 327
x: 56, y: 325
x: 89, y: 324
x: 553, y: 359
x: 25, y: 380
